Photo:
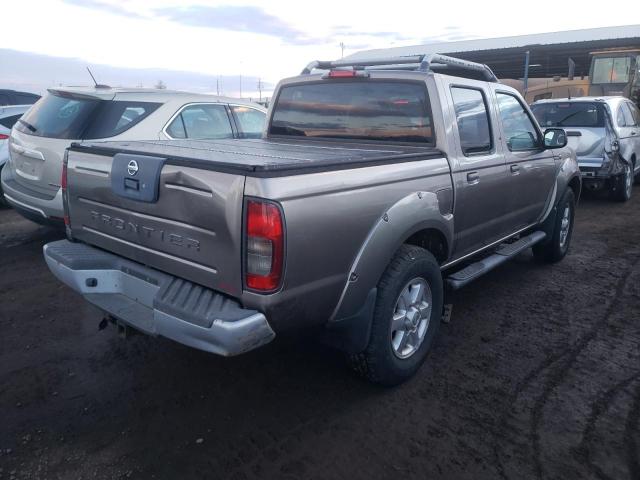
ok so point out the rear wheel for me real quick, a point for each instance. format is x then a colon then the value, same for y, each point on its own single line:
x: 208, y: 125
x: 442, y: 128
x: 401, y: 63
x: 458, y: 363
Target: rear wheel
x: 406, y: 318
x: 557, y: 246
x: 623, y: 185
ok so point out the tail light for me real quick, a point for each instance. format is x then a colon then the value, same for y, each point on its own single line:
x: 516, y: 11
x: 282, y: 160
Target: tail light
x: 264, y: 252
x: 3, y: 136
x: 346, y: 74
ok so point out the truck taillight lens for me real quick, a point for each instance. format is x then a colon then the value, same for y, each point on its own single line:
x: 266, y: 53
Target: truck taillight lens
x: 264, y: 245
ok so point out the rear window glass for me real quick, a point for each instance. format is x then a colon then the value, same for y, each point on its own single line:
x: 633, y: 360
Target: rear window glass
x: 569, y: 114
x: 57, y: 116
x: 373, y: 110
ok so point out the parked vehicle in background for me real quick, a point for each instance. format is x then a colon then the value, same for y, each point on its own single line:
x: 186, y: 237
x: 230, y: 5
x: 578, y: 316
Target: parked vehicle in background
x: 616, y: 72
x: 31, y: 180
x: 14, y: 97
x: 8, y: 117
x: 369, y: 186
x: 605, y: 133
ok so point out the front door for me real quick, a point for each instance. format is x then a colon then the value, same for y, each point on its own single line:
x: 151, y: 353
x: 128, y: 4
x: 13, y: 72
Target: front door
x: 531, y: 168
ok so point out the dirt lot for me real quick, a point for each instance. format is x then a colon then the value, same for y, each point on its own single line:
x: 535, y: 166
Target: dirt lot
x: 536, y: 376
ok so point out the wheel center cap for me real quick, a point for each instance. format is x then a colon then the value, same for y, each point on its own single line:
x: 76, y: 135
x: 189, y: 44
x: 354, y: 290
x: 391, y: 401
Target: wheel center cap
x: 413, y: 318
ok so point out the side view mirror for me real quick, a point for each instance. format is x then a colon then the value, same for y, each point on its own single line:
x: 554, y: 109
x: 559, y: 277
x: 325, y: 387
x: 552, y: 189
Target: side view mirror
x: 555, y: 138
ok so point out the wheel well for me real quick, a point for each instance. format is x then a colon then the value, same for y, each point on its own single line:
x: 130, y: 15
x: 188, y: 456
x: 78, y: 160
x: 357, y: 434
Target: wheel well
x: 432, y: 240
x: 575, y: 185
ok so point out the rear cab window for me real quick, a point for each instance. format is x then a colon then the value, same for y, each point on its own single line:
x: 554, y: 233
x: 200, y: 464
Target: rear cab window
x: 368, y: 110
x: 81, y: 117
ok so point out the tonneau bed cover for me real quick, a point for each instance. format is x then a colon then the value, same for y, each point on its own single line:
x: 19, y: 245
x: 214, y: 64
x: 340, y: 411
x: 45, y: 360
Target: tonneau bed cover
x: 266, y: 157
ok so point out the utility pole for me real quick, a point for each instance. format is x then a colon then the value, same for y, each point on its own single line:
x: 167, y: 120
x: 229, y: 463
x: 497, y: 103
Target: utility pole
x: 260, y: 88
x: 218, y: 85
x: 342, y: 49
x: 526, y: 72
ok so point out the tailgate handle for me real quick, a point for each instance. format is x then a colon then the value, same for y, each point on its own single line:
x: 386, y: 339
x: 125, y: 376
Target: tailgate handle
x: 131, y: 184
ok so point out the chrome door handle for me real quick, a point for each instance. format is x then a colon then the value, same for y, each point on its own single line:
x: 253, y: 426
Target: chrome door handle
x: 515, y: 169
x: 473, y: 177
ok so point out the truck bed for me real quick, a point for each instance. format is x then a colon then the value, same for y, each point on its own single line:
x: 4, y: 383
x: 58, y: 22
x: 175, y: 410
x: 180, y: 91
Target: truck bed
x: 266, y: 157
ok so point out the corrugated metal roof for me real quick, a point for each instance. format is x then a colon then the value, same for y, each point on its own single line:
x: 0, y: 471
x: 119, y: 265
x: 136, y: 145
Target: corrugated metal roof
x: 571, y: 36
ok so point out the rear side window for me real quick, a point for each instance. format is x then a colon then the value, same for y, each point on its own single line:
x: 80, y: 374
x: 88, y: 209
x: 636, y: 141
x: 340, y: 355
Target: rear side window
x: 472, y: 117
x: 115, y: 117
x: 569, y: 114
x: 628, y: 115
x: 371, y: 110
x: 519, y: 130
x: 250, y: 121
x: 201, y: 122
x: 8, y: 122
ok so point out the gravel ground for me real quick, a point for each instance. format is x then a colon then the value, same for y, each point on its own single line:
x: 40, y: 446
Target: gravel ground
x: 536, y: 376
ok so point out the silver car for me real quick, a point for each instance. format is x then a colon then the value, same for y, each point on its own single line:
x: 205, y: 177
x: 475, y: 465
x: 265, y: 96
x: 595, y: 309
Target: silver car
x: 9, y: 115
x: 31, y: 180
x: 605, y: 134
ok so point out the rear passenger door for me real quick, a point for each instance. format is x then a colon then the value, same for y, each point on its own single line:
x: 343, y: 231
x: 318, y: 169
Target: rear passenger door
x: 201, y: 121
x: 531, y: 168
x: 479, y: 170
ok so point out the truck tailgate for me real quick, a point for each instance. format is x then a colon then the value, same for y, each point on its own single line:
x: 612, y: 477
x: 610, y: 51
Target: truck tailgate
x: 190, y: 226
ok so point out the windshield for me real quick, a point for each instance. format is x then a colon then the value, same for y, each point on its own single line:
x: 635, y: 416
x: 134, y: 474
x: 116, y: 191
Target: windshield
x: 73, y: 117
x: 569, y: 114
x: 372, y: 110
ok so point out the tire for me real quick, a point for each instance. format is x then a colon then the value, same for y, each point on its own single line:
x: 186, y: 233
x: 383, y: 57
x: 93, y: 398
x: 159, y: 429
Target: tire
x: 3, y: 202
x: 623, y: 185
x: 556, y: 248
x: 385, y: 360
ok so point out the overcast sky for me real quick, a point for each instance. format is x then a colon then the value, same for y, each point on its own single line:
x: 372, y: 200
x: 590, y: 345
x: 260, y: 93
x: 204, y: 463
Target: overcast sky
x: 271, y: 39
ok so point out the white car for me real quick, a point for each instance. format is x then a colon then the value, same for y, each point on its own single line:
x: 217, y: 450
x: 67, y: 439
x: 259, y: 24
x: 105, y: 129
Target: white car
x: 31, y: 178
x: 9, y: 115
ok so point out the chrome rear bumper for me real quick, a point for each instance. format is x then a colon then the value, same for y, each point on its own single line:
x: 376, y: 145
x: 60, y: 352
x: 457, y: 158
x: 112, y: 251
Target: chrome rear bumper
x: 157, y: 303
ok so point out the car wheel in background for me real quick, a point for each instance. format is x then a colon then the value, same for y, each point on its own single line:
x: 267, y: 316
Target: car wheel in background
x: 623, y: 185
x: 406, y: 318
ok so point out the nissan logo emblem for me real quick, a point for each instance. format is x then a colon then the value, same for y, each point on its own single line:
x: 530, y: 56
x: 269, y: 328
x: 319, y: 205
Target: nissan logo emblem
x: 132, y: 167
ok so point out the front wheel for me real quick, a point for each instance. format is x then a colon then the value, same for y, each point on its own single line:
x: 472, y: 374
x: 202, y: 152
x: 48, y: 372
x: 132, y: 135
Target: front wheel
x: 555, y: 249
x: 406, y: 318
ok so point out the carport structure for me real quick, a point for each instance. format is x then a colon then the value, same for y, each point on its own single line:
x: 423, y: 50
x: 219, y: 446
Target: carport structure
x: 549, y: 53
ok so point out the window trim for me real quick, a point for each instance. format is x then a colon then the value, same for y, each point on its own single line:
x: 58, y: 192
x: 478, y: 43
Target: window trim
x: 421, y: 82
x: 492, y: 147
x: 225, y: 106
x: 532, y: 119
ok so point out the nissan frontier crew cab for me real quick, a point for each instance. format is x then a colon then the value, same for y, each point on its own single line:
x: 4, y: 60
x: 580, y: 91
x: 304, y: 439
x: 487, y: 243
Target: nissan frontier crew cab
x: 377, y: 184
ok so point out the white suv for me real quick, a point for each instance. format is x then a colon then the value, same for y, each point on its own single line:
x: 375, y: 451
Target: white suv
x: 31, y: 178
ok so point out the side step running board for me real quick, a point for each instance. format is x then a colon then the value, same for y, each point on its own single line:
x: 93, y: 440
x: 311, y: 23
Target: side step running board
x: 503, y: 253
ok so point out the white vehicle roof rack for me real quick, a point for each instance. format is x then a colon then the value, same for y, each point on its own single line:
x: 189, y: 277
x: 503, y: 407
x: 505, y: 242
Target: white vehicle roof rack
x: 423, y: 63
